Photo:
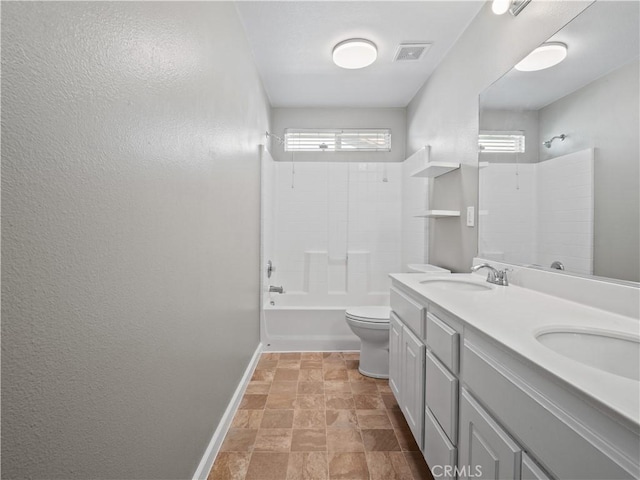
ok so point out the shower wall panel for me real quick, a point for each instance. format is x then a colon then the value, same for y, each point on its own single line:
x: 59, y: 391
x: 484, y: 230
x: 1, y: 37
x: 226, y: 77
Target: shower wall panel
x: 337, y: 228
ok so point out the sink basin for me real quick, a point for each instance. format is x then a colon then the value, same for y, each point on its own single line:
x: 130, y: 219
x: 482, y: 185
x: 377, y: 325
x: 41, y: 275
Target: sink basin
x: 608, y: 351
x: 457, y: 285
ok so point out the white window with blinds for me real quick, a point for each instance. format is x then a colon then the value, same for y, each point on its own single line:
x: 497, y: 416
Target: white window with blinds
x: 501, y: 142
x: 337, y: 140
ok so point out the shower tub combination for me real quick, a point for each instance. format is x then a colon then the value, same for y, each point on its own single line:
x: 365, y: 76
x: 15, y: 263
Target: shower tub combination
x: 302, y: 322
x: 325, y: 225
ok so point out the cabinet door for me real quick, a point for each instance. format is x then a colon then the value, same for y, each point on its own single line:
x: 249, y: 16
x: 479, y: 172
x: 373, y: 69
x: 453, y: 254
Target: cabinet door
x: 441, y: 395
x: 395, y: 356
x: 531, y: 471
x: 438, y: 451
x: 485, y: 450
x: 412, y: 383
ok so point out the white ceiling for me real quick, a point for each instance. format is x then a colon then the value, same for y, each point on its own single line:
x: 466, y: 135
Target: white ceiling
x: 292, y: 43
x: 601, y: 39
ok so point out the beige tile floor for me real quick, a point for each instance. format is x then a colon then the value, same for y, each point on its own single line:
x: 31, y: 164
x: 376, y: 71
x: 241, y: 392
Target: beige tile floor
x: 312, y: 416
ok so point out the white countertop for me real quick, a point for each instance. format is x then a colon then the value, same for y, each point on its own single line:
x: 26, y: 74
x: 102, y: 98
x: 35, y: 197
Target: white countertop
x: 513, y: 316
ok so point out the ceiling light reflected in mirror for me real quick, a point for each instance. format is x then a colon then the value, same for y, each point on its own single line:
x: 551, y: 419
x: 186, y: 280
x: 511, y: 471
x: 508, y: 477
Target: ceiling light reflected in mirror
x: 545, y: 56
x: 514, y: 7
x: 500, y: 7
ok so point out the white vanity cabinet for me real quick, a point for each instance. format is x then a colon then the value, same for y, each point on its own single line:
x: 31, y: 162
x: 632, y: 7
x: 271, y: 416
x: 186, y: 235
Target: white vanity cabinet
x: 486, y: 450
x: 395, y: 355
x: 412, y: 385
x: 441, y: 387
x: 531, y: 471
x: 441, y: 396
x: 565, y: 434
x: 478, y: 409
x: 407, y: 358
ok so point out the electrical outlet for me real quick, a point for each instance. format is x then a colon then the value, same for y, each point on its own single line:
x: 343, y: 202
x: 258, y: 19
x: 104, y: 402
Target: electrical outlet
x: 471, y: 217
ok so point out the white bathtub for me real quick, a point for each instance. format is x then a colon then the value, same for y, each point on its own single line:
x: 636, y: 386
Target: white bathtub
x: 300, y: 322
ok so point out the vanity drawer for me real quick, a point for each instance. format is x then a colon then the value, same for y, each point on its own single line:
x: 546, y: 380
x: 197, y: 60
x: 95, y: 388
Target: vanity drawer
x: 441, y: 395
x: 443, y: 341
x: 409, y: 311
x: 438, y: 450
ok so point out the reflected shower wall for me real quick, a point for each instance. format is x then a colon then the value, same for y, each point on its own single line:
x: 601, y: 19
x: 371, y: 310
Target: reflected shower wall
x: 336, y: 229
x: 538, y: 213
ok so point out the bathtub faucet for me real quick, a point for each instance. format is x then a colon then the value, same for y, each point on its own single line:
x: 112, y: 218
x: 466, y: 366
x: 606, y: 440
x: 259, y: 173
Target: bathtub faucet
x: 273, y: 289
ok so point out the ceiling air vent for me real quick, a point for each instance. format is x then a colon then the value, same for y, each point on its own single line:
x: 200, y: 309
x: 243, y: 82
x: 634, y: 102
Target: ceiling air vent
x: 410, y: 51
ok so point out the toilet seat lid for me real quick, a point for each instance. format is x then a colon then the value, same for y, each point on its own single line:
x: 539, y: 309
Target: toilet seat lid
x: 370, y: 314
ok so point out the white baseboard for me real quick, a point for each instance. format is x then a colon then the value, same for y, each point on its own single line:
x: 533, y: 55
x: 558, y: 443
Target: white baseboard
x: 202, y: 472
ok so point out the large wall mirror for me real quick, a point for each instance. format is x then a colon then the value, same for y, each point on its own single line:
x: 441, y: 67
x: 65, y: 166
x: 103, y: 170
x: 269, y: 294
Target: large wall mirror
x: 559, y: 162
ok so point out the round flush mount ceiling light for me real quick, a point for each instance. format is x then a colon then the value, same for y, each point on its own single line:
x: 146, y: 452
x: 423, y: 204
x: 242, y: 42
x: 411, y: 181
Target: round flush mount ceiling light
x: 545, y: 56
x: 355, y: 53
x: 500, y: 7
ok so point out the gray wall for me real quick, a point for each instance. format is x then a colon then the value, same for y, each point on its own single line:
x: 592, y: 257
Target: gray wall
x: 444, y: 113
x: 604, y: 115
x: 393, y: 118
x: 130, y: 233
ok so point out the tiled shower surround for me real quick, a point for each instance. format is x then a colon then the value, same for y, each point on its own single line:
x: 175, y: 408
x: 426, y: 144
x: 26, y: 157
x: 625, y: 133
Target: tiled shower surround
x: 539, y: 212
x: 313, y: 416
x: 337, y: 226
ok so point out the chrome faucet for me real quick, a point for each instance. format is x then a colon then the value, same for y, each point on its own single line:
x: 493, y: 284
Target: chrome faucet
x: 273, y: 289
x: 558, y: 265
x: 497, y: 277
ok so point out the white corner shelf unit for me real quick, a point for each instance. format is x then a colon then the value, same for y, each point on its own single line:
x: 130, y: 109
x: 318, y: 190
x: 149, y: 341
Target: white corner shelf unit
x: 435, y: 169
x: 439, y: 213
x: 431, y: 169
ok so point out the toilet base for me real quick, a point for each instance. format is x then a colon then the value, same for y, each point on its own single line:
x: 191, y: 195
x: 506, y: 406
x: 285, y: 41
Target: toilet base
x: 372, y: 375
x: 374, y: 360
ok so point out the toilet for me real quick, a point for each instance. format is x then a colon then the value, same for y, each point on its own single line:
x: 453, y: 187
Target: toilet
x: 371, y: 325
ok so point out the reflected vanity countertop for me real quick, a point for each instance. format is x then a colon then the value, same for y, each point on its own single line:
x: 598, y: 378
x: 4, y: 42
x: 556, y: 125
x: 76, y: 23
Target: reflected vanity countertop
x: 514, y: 316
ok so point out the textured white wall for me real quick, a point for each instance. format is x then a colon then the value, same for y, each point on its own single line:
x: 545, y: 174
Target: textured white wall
x: 130, y: 233
x: 605, y: 115
x: 444, y: 113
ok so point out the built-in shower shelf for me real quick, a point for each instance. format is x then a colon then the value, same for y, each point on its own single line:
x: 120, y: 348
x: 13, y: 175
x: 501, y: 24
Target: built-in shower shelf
x: 439, y: 213
x: 430, y: 169
x: 435, y: 169
x: 421, y: 156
